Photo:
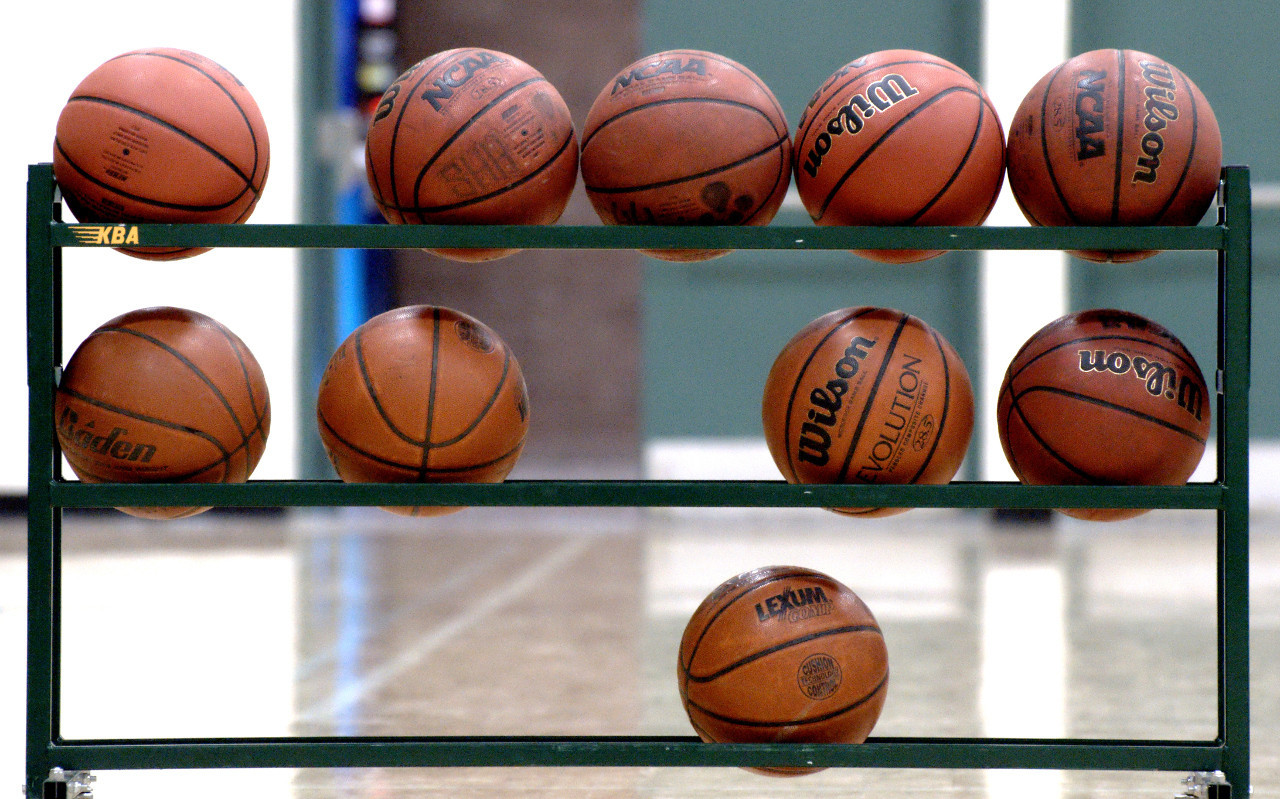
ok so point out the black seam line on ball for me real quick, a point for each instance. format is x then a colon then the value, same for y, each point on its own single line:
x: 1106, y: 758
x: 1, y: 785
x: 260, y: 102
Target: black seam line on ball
x: 681, y: 101
x: 742, y: 591
x: 856, y: 439
x: 1112, y: 406
x: 862, y: 700
x: 86, y: 98
x: 795, y: 387
x: 768, y: 148
x: 852, y: 628
x: 910, y: 115
x: 1121, y: 77
x: 834, y: 92
x: 1044, y: 149
x: 244, y: 115
x: 506, y: 187
x: 473, y: 120
x: 147, y: 200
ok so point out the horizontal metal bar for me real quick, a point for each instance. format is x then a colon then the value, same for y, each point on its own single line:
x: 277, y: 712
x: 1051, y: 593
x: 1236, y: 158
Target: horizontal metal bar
x: 635, y: 493
x: 353, y: 752
x: 769, y: 237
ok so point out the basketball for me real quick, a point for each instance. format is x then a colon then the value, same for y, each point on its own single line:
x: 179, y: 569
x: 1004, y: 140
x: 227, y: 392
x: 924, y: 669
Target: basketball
x: 1114, y: 137
x: 783, y: 654
x: 423, y: 394
x: 868, y: 395
x: 471, y: 136
x: 162, y: 395
x: 162, y: 136
x: 686, y: 137
x: 899, y: 137
x: 1103, y: 397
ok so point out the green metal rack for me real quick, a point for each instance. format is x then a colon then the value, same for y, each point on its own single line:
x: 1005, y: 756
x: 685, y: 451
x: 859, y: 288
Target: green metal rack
x: 60, y: 767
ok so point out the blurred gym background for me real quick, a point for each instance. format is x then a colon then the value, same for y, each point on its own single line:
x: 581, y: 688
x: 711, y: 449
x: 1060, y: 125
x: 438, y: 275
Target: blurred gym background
x: 630, y: 361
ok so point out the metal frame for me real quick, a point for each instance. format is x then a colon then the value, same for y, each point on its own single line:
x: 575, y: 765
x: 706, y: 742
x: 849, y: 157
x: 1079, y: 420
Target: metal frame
x: 1226, y: 756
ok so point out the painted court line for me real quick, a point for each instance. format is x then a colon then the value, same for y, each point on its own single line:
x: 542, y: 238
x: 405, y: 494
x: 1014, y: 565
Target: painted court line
x: 347, y: 696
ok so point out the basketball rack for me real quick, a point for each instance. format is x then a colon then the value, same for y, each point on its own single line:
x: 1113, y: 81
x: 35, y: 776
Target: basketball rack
x: 60, y: 767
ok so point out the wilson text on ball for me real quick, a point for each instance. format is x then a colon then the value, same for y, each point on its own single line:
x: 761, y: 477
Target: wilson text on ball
x: 1160, y: 379
x: 815, y: 440
x: 1161, y: 110
x: 879, y: 96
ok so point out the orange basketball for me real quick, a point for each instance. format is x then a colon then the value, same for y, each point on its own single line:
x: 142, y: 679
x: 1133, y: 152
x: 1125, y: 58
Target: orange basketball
x: 471, y: 136
x: 162, y: 395
x: 161, y: 135
x: 686, y: 137
x: 1114, y: 137
x: 783, y: 654
x: 1103, y: 397
x: 868, y: 395
x: 899, y: 137
x: 423, y: 394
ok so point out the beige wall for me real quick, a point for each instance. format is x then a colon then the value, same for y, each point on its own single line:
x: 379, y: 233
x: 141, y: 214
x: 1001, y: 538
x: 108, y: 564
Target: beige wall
x: 571, y: 317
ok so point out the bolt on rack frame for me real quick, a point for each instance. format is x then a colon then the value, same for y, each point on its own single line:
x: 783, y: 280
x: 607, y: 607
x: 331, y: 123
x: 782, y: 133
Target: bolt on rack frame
x: 1215, y: 765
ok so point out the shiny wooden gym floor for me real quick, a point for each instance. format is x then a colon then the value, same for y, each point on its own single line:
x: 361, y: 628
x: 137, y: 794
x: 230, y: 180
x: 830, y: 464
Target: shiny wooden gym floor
x: 566, y: 622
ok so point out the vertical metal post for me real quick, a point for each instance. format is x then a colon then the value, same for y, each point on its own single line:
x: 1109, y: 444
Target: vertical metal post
x: 43, y: 520
x: 1234, y: 318
x: 315, y: 331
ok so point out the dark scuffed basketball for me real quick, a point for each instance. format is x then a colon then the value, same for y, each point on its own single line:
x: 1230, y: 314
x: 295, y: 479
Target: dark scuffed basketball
x: 899, y: 137
x: 783, y: 654
x: 1114, y: 137
x: 1103, y: 397
x: 868, y: 395
x: 686, y: 137
x: 162, y: 395
x: 161, y: 135
x: 471, y: 136
x: 423, y: 394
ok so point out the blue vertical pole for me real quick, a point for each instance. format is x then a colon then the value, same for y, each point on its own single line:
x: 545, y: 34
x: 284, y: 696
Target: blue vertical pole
x: 363, y: 44
x: 349, y: 284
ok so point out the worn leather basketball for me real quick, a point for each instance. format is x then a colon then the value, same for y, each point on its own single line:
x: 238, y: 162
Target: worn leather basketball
x: 899, y: 137
x: 471, y: 136
x: 1103, y: 397
x: 162, y: 395
x: 1114, y: 137
x: 783, y: 654
x: 868, y: 395
x: 423, y: 394
x: 686, y: 137
x: 161, y: 135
